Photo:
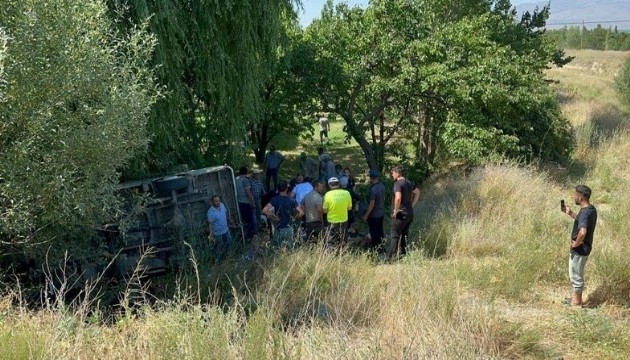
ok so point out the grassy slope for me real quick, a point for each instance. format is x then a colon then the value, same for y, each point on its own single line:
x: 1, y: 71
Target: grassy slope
x: 485, y: 282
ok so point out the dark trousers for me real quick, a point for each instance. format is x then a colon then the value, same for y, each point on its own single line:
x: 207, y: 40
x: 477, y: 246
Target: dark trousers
x: 336, y: 234
x: 322, y: 134
x: 257, y: 214
x: 313, y: 230
x: 400, y: 232
x: 269, y: 174
x: 247, y: 216
x: 376, y: 231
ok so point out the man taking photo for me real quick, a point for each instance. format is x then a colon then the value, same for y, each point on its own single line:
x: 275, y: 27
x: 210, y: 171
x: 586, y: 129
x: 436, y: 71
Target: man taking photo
x: 581, y: 240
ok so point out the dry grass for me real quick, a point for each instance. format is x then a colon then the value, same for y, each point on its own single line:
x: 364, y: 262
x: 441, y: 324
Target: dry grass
x: 485, y: 280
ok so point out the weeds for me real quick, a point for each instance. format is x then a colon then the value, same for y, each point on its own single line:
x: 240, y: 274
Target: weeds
x: 483, y: 281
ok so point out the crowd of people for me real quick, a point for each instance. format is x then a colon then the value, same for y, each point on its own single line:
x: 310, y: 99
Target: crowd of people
x: 320, y: 204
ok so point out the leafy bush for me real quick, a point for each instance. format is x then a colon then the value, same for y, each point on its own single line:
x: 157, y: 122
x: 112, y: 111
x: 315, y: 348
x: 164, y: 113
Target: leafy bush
x: 622, y: 83
x: 77, y: 98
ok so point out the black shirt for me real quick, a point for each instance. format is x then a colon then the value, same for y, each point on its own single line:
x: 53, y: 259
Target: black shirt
x: 586, y: 218
x: 405, y: 188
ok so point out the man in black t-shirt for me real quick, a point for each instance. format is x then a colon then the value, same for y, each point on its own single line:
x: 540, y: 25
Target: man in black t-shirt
x: 581, y: 240
x: 406, y: 195
x: 376, y: 210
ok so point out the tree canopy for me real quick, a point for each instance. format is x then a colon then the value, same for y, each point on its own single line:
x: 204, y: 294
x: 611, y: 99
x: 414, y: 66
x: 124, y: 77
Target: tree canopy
x: 75, y: 95
x: 214, y: 60
x: 459, y: 79
x: 287, y: 99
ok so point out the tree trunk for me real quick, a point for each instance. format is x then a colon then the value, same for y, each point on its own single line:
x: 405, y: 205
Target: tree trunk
x: 262, y: 139
x: 361, y: 139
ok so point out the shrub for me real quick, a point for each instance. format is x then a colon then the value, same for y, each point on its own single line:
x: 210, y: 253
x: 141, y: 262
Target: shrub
x: 77, y: 98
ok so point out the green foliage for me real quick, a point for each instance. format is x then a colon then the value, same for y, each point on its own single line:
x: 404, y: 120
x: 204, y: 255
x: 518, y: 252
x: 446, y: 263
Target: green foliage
x: 598, y: 38
x: 213, y: 59
x: 287, y: 105
x: 400, y: 71
x: 477, y: 145
x: 22, y: 342
x: 78, y: 95
x: 622, y: 83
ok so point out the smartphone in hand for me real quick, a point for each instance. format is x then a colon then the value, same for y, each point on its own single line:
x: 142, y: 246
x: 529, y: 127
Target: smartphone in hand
x: 563, y: 207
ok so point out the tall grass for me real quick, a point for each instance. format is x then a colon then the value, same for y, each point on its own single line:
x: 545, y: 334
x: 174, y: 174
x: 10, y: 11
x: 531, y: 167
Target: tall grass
x: 312, y: 304
x: 483, y: 279
x: 503, y: 229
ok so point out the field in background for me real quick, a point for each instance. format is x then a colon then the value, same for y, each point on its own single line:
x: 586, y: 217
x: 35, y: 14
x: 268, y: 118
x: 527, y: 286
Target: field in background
x: 485, y: 280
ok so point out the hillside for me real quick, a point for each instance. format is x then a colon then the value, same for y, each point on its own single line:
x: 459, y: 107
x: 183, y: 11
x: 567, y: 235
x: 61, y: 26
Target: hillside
x: 485, y: 277
x: 612, y: 12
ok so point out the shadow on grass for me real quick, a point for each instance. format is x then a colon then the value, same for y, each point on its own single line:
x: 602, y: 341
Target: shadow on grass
x: 437, y: 208
x: 605, y: 122
x: 609, y: 294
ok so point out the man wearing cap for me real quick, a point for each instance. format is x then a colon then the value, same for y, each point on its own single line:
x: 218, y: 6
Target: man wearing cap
x: 376, y: 210
x: 337, y: 203
x: 273, y: 160
x: 406, y: 196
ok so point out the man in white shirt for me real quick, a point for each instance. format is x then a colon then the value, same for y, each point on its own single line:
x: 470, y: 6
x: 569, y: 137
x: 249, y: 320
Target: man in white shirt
x: 324, y: 127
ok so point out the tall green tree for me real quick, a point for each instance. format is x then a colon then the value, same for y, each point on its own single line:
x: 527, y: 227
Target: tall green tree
x: 77, y: 98
x: 213, y: 59
x: 288, y: 95
x: 461, y: 78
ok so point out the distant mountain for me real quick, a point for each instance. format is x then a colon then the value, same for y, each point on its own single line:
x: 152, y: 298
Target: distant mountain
x: 609, y: 13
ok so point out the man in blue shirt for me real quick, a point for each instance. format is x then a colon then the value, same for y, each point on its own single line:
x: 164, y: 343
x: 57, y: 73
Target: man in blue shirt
x: 280, y: 211
x: 273, y: 160
x: 219, y: 218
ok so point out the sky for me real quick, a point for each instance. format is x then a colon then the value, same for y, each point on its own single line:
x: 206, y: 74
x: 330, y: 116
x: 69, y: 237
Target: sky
x: 313, y: 8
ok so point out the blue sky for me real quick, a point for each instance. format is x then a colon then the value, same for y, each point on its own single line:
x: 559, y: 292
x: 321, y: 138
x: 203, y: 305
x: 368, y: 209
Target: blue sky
x: 313, y: 8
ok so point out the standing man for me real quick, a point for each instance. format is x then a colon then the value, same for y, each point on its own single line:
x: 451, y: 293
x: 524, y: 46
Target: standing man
x: 258, y: 190
x: 312, y: 206
x: 581, y: 240
x: 309, y: 167
x: 218, y: 218
x: 375, y: 212
x: 337, y: 203
x: 273, y: 160
x: 406, y: 196
x: 322, y: 157
x: 281, y: 210
x: 324, y: 127
x: 245, y: 200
